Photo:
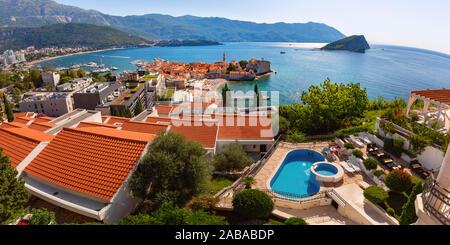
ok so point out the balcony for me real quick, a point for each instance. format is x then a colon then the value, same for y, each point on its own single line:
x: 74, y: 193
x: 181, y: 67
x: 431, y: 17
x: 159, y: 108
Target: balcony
x: 436, y: 201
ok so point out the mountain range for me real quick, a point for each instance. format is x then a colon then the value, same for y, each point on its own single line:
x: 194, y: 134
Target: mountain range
x: 35, y: 13
x: 67, y: 35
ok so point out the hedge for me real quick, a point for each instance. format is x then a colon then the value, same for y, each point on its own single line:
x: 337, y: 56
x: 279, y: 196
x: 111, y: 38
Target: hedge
x: 370, y: 163
x: 253, y: 203
x: 375, y: 194
x: 358, y: 154
x: 295, y: 221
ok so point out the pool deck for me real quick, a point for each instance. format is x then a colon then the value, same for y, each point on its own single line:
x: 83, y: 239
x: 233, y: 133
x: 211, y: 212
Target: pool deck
x: 272, y: 165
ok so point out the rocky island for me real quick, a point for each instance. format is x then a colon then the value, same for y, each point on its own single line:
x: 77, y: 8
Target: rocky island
x: 355, y: 43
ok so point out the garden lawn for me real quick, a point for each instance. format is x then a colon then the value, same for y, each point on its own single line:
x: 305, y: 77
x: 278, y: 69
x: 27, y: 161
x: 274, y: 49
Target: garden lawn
x: 216, y: 184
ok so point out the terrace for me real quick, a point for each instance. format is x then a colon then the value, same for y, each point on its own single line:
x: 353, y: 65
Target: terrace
x: 439, y: 116
x: 128, y: 95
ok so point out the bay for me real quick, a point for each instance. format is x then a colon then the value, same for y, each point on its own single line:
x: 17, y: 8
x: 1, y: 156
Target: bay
x: 389, y: 71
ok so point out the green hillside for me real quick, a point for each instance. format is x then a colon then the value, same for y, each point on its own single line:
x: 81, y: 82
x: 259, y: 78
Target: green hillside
x: 67, y: 35
x: 355, y: 43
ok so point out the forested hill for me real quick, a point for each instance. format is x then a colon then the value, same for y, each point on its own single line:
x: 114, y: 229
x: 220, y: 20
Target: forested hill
x: 34, y: 13
x: 67, y: 35
x: 355, y: 43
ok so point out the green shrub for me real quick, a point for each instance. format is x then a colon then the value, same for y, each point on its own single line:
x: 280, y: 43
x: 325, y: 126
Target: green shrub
x: 389, y: 147
x: 414, y: 117
x: 140, y: 219
x: 408, y: 215
x: 253, y: 203
x: 231, y: 158
x: 358, y: 154
x: 391, y: 212
x: 41, y: 217
x: 398, y: 181
x: 378, y: 173
x: 370, y: 163
x: 398, y: 143
x: 205, y: 203
x: 295, y: 221
x: 415, y: 180
x: 375, y: 194
x: 349, y: 145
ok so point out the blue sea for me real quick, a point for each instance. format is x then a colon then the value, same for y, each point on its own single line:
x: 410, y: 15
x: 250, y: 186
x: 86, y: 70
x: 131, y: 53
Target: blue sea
x: 390, y: 71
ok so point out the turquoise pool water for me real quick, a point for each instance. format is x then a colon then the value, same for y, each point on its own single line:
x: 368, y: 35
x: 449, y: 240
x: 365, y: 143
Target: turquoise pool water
x: 294, y: 178
x: 326, y: 169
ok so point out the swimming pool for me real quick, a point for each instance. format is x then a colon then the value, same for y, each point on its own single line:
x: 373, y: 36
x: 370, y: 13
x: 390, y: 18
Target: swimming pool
x: 294, y: 178
x: 326, y: 169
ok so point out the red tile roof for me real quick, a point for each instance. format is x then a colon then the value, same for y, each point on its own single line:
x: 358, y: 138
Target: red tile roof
x: 234, y: 126
x: 44, y: 119
x: 112, y: 119
x: 24, y: 120
x: 94, y: 161
x: 163, y: 109
x: 442, y: 95
x: 18, y: 143
x: 13, y: 125
x: 24, y: 114
x: 96, y: 124
x: 193, y: 130
x: 42, y: 126
x: 144, y: 127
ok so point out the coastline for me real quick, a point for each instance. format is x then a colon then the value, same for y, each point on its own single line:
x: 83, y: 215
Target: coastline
x: 219, y: 81
x: 35, y: 62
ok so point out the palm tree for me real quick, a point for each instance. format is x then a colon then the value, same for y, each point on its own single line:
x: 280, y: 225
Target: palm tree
x: 387, y: 127
x: 418, y: 143
x: 248, y: 181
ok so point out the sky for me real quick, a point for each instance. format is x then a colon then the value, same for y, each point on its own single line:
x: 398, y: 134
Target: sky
x: 415, y: 23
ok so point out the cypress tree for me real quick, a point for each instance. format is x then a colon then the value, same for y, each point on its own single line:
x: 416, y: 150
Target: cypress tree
x: 138, y: 108
x: 408, y: 215
x: 225, y: 89
x: 127, y: 113
x: 115, y: 112
x: 8, y: 109
x: 257, y: 95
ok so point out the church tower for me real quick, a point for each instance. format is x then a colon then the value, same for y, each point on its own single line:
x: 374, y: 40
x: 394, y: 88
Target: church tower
x: 225, y: 64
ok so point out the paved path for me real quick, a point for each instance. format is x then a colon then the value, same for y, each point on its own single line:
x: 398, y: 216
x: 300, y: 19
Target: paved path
x: 325, y: 215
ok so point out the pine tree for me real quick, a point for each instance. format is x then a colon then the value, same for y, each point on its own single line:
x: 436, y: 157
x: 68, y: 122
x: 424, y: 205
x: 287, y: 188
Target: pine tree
x: 13, y: 195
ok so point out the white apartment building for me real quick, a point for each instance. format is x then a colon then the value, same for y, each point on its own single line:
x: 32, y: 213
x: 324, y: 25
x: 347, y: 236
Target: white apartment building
x: 48, y: 103
x: 51, y: 78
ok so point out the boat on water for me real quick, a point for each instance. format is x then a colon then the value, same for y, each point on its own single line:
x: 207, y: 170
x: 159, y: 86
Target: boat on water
x: 282, y: 52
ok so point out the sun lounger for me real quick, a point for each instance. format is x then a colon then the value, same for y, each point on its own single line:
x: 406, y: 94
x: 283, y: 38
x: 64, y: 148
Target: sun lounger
x: 340, y: 143
x: 356, y: 141
x: 355, y: 166
x: 366, y: 140
x: 380, y: 155
x: 347, y: 166
x: 387, y: 161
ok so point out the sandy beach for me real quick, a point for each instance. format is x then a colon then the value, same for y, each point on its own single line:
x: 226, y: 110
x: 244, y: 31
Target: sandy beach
x: 215, y: 83
x: 35, y: 62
